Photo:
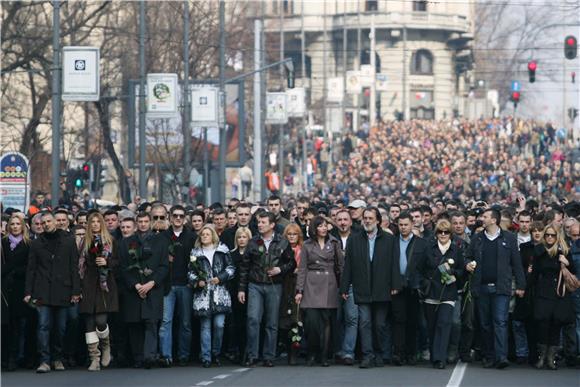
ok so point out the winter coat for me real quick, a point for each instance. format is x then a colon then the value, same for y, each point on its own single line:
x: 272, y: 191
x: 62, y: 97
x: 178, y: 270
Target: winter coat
x: 371, y: 281
x: 428, y: 268
x: 547, y: 304
x: 95, y: 299
x: 318, y: 274
x: 52, y: 279
x: 257, y: 259
x: 179, y: 267
x: 142, y: 259
x: 13, y: 278
x: 211, y: 299
x: 509, y: 263
x: 416, y: 251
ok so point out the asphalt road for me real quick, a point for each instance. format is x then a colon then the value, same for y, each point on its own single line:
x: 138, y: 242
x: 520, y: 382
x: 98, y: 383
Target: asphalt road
x: 471, y: 375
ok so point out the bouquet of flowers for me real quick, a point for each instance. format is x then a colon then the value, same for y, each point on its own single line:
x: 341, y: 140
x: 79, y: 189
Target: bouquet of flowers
x: 137, y: 262
x: 99, y: 249
x: 196, y: 267
x: 296, y: 331
x: 445, y: 269
x: 173, y: 245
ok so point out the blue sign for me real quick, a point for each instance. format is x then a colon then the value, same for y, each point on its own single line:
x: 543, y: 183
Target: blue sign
x: 14, y: 181
x: 516, y: 86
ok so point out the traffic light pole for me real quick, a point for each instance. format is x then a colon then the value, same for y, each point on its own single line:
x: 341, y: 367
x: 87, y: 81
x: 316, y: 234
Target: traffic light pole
x: 56, y: 95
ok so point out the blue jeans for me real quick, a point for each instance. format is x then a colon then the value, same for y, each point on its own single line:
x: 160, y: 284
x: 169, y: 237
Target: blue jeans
x: 520, y: 338
x: 373, y: 329
x: 348, y: 325
x: 180, y: 297
x: 211, y: 340
x: 263, y: 298
x: 51, y: 318
x: 493, y: 315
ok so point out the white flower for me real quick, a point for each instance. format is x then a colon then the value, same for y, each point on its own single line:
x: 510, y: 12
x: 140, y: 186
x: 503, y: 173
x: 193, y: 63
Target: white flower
x: 289, y: 311
x: 299, y: 323
x: 192, y: 258
x: 451, y: 261
x: 474, y: 263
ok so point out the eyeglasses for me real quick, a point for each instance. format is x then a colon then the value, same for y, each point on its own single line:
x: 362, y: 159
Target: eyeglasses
x: 575, y: 235
x: 158, y: 217
x: 550, y: 235
x: 178, y: 216
x: 443, y: 232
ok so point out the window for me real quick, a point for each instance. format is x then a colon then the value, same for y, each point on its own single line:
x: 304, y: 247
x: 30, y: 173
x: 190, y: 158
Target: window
x: 419, y: 6
x: 422, y: 63
x: 274, y: 6
x: 422, y: 104
x: 371, y: 5
x: 288, y: 6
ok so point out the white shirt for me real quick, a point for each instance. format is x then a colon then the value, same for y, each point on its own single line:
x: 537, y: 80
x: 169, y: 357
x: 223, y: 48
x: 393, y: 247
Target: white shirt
x: 209, y: 253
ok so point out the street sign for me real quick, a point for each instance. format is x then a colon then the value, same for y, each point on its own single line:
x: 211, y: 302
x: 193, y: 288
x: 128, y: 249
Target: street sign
x: 14, y: 181
x: 335, y: 90
x: 296, y: 102
x: 80, y: 73
x: 162, y: 95
x: 204, y: 106
x: 516, y: 86
x: 276, y: 108
x: 381, y: 82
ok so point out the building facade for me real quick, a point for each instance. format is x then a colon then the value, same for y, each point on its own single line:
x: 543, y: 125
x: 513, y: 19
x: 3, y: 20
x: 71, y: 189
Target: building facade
x: 422, y: 56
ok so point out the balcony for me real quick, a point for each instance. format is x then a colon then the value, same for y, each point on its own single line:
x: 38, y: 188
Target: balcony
x: 389, y: 20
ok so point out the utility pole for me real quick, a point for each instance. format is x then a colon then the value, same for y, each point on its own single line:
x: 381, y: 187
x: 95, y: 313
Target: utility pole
x: 357, y: 68
x: 142, y: 108
x: 405, y: 114
x: 373, y: 107
x: 303, y: 60
x: 186, y: 103
x: 257, y: 111
x: 344, y: 60
x: 282, y: 87
x: 324, y: 69
x: 221, y: 183
x: 56, y: 96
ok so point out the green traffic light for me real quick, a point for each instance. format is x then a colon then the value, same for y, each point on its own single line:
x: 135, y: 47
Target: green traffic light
x: 78, y: 183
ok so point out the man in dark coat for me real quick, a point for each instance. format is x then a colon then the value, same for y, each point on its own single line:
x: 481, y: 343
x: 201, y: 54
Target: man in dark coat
x: 495, y: 260
x: 52, y: 285
x: 244, y: 214
x: 373, y: 272
x: 144, y: 266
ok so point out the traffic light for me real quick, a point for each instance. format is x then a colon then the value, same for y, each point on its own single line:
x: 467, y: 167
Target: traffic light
x: 570, y: 47
x: 532, y: 66
x: 78, y: 182
x: 573, y: 74
x: 572, y: 113
x: 515, y: 97
x: 290, y: 73
x: 86, y: 171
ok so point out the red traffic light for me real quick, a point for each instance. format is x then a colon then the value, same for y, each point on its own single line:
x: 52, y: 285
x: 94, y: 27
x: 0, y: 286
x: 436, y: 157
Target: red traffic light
x: 86, y: 168
x: 516, y: 96
x: 570, y: 47
x: 532, y: 65
x: 570, y: 41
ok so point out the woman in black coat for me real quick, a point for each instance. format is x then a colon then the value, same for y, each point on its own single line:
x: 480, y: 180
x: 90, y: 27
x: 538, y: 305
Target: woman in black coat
x: 439, y: 289
x: 553, y: 307
x: 15, y: 313
x: 97, y: 261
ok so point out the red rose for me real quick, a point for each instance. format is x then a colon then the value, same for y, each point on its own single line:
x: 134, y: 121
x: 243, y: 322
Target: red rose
x: 133, y: 245
x: 173, y: 237
x: 260, y: 242
x: 296, y: 345
x: 94, y: 250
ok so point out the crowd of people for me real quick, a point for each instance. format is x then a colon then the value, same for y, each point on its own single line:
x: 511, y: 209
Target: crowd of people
x: 153, y: 285
x: 426, y: 241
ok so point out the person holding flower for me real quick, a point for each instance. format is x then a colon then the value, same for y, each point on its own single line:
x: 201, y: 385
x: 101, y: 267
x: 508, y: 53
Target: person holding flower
x: 440, y: 268
x: 320, y: 266
x: 99, y: 289
x: 210, y: 269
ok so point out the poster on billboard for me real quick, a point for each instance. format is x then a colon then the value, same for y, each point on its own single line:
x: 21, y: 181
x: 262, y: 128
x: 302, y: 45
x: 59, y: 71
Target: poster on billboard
x: 335, y: 90
x: 381, y: 82
x: 204, y: 107
x: 162, y: 95
x: 353, y: 85
x: 80, y: 73
x: 296, y: 102
x: 276, y: 108
x: 14, y: 181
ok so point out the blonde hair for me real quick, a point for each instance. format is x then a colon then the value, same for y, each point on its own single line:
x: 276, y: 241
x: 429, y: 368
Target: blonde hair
x: 293, y: 227
x: 20, y: 217
x: 443, y: 225
x: 560, y: 246
x: 106, y: 237
x: 214, y: 236
x: 240, y: 231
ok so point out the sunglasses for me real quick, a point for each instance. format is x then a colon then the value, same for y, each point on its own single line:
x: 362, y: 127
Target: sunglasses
x: 178, y: 216
x: 547, y: 235
x: 443, y: 232
x: 158, y: 217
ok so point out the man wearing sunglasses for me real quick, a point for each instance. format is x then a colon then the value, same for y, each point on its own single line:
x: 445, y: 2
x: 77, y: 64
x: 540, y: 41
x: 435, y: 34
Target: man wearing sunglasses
x: 494, y: 259
x: 178, y: 294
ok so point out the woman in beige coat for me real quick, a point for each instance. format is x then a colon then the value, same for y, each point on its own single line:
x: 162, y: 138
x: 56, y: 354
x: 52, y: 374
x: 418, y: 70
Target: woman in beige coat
x: 317, y: 287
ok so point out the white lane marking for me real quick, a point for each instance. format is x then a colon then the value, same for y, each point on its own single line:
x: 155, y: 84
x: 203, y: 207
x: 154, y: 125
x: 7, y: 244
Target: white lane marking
x: 205, y: 383
x: 221, y: 376
x: 457, y: 375
x: 241, y: 370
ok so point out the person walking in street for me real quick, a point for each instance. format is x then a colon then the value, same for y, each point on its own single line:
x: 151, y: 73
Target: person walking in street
x: 372, y: 270
x: 320, y: 267
x: 52, y: 285
x: 210, y: 269
x: 97, y: 261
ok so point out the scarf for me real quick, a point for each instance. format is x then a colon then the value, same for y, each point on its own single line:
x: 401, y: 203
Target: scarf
x: 14, y: 240
x: 444, y: 248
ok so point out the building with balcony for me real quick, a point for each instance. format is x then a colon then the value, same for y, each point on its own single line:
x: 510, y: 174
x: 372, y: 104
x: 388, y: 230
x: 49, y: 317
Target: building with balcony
x: 422, y: 51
